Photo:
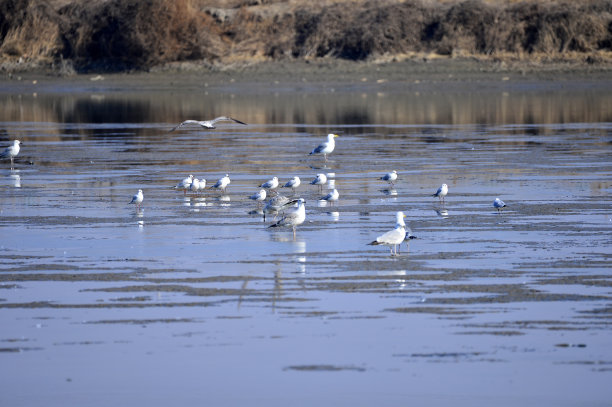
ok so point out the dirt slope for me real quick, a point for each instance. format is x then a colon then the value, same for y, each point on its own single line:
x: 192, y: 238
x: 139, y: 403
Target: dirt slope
x: 119, y: 35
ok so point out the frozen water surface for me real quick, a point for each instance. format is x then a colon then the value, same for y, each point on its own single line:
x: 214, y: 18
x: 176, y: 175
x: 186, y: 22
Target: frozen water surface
x: 192, y: 300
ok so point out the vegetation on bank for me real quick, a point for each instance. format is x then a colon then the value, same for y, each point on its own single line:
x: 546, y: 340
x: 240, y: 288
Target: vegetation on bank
x: 117, y: 35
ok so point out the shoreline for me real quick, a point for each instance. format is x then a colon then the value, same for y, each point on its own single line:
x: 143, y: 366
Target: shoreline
x: 444, y: 74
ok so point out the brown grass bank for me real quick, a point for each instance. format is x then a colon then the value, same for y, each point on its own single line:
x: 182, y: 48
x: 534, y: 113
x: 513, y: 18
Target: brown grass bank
x: 119, y: 35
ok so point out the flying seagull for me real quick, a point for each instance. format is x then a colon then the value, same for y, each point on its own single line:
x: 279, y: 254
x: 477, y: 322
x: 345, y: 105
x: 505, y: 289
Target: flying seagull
x: 208, y: 124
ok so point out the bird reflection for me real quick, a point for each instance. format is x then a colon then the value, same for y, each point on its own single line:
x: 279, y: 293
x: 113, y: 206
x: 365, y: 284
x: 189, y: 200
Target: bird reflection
x: 200, y: 201
x: 224, y: 200
x: 389, y: 191
x: 442, y: 212
x: 15, y: 178
x: 319, y: 167
x: 334, y: 215
x: 256, y: 211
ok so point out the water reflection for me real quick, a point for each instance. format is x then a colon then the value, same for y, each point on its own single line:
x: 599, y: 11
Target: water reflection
x: 224, y: 200
x: 441, y: 212
x: 335, y: 216
x: 15, y: 178
x: 110, y: 105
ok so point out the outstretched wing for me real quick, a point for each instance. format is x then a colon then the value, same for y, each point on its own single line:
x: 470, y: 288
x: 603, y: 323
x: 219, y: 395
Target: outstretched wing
x: 183, y: 124
x: 225, y: 119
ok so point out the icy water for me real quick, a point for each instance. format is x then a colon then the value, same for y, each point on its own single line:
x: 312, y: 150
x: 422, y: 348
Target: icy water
x: 193, y: 300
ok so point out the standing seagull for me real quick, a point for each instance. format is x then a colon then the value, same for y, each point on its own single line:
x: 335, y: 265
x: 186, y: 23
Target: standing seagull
x: 498, y: 204
x: 11, y: 151
x: 259, y: 197
x: 293, y: 218
x: 331, y: 197
x: 326, y: 147
x: 270, y: 184
x: 441, y: 192
x: 275, y: 205
x: 293, y: 183
x: 319, y: 180
x: 196, y: 185
x: 208, y: 124
x: 222, y: 183
x: 185, y: 184
x: 390, y: 177
x: 393, y: 237
x: 137, y: 199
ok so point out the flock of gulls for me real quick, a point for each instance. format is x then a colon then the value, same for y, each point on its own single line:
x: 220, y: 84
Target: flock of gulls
x: 293, y: 211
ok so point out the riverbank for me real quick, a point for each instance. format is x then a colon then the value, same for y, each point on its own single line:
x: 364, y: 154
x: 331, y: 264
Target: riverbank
x: 67, y: 37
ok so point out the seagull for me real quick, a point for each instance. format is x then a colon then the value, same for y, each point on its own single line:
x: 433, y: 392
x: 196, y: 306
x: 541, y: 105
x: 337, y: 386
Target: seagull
x: 274, y: 205
x: 270, y: 184
x: 319, y: 180
x: 196, y: 185
x: 293, y: 183
x: 498, y: 204
x: 222, y: 183
x: 259, y: 197
x: 441, y: 192
x: 326, y: 147
x: 137, y: 199
x: 185, y: 184
x: 390, y: 177
x: 331, y: 197
x: 207, y: 124
x: 294, y: 218
x: 393, y: 237
x: 11, y: 151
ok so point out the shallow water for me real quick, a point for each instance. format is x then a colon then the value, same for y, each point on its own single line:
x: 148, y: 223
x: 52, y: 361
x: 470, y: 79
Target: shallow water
x: 193, y: 299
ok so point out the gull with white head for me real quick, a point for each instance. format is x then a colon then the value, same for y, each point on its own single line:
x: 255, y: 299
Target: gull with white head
x: 196, y: 185
x: 325, y: 147
x: 390, y: 177
x: 270, y: 184
x: 499, y: 205
x: 393, y: 237
x: 441, y: 193
x: 331, y: 197
x: 185, y: 184
x: 293, y: 218
x: 222, y: 183
x: 319, y: 180
x: 208, y: 124
x: 11, y: 152
x: 293, y: 183
x: 259, y: 196
x: 137, y: 199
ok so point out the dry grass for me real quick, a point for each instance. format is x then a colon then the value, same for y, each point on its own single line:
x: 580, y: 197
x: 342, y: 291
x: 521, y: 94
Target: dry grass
x: 140, y: 34
x: 29, y: 30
